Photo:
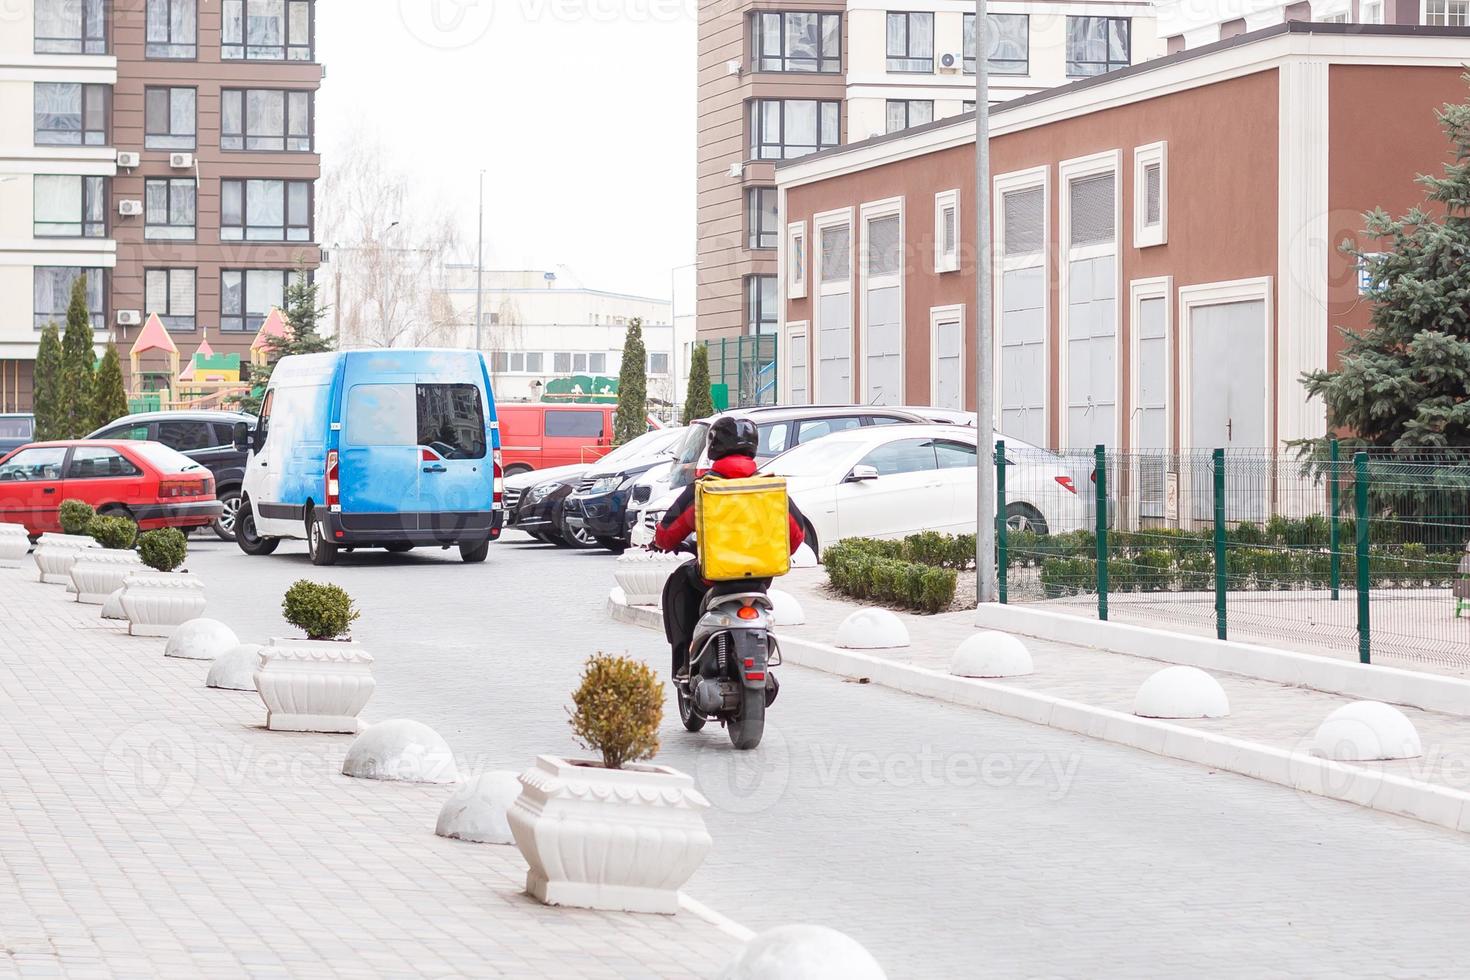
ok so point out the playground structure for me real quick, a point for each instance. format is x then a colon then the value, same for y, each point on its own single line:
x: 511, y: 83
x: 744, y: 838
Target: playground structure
x: 208, y: 380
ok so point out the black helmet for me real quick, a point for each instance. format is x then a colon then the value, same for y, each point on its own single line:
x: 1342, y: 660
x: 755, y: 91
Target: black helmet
x: 730, y: 436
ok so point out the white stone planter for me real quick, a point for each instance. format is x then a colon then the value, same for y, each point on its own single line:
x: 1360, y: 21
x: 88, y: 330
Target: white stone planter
x: 14, y: 545
x: 642, y: 574
x: 99, y: 573
x: 55, y: 558
x: 314, y: 685
x: 77, y: 540
x: 872, y: 629
x: 157, y: 603
x: 619, y: 840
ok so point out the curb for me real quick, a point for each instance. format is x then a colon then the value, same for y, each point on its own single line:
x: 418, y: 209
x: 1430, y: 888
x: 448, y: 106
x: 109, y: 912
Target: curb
x: 1416, y: 689
x: 1385, y: 792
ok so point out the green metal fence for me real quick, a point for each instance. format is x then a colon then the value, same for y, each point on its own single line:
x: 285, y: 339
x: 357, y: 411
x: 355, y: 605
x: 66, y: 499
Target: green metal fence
x: 1360, y: 552
x: 745, y: 367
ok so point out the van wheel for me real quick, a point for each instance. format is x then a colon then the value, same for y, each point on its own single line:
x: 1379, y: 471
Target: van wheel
x: 473, y: 554
x: 245, y: 536
x: 323, y: 552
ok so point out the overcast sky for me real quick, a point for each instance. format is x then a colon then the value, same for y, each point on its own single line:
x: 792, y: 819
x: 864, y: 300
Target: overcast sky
x: 581, y: 112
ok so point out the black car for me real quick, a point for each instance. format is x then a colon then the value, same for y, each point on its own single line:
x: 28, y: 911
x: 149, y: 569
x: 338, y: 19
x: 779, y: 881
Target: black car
x: 15, y: 431
x: 533, y: 503
x: 205, y: 437
x: 598, y: 507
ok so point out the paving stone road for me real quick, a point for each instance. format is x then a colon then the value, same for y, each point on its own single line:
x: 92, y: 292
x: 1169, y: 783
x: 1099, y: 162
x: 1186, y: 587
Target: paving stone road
x: 951, y: 842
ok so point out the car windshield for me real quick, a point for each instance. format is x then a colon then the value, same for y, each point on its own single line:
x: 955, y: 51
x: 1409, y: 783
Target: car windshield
x: 646, y: 446
x: 166, y: 459
x: 17, y: 428
x: 812, y: 459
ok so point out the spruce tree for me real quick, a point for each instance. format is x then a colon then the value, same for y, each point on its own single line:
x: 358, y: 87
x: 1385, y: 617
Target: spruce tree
x: 48, y: 382
x: 109, y: 399
x: 78, y: 359
x: 631, y: 420
x: 1403, y: 382
x: 303, y: 336
x: 698, y: 403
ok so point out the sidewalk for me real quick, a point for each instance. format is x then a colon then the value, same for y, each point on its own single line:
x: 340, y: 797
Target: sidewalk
x: 150, y: 826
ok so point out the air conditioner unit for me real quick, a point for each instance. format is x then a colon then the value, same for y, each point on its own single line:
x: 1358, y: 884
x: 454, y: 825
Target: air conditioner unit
x: 128, y: 159
x: 949, y: 62
x: 733, y: 67
x: 129, y: 318
x: 325, y: 257
x: 181, y: 161
x: 737, y: 169
x: 129, y: 209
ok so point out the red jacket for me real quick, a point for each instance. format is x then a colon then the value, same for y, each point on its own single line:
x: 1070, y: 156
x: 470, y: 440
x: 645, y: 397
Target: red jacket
x: 678, y: 522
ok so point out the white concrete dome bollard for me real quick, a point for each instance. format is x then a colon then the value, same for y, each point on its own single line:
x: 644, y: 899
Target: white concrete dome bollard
x: 1366, y: 731
x: 477, y: 810
x: 801, y: 952
x: 113, y: 607
x: 872, y: 629
x: 785, y: 609
x: 1181, y: 692
x: 234, y: 670
x: 804, y: 557
x: 401, y: 750
x: 201, y: 639
x: 991, y: 654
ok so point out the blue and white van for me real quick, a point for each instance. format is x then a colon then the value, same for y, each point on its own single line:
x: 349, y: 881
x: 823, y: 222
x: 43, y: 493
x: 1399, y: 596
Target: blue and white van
x: 374, y: 449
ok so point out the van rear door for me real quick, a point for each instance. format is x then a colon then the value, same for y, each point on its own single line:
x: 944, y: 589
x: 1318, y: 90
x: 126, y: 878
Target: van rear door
x: 456, y: 476
x: 379, y: 456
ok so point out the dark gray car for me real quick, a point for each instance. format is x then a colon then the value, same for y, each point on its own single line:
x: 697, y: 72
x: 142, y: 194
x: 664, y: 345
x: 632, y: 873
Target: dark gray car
x: 15, y: 431
x: 205, y: 437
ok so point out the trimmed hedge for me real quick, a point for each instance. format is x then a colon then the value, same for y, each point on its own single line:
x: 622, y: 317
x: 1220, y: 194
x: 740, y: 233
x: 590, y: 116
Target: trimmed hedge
x: 163, y: 550
x: 75, y: 516
x: 320, y: 610
x: 113, y: 532
x: 889, y: 572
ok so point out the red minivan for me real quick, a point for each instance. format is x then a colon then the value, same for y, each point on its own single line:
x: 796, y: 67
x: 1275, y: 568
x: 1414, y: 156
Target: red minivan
x: 154, y: 485
x: 540, y: 435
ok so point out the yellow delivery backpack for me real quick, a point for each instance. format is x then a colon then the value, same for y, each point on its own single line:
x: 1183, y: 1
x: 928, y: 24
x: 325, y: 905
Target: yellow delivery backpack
x: 742, y: 528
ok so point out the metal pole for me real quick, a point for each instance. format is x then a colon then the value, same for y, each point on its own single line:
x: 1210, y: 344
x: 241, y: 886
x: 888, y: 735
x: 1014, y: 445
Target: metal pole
x: 1363, y: 556
x: 1336, y: 527
x: 1222, y: 568
x: 480, y: 265
x: 1001, y: 530
x: 1100, y: 467
x: 986, y: 584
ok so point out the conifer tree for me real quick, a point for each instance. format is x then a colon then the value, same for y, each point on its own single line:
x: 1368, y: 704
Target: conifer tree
x: 78, y: 360
x: 631, y: 419
x: 698, y: 403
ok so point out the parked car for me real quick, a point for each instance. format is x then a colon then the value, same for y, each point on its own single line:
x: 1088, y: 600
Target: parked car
x: 540, y: 435
x: 205, y: 437
x: 373, y: 449
x: 15, y: 431
x: 145, y: 481
x: 599, y: 505
x: 533, y: 500
x: 941, y: 416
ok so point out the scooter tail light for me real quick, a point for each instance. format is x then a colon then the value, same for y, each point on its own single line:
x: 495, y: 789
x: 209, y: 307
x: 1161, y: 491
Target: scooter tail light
x: 333, y: 494
x: 1067, y: 484
x: 755, y: 675
x: 748, y: 612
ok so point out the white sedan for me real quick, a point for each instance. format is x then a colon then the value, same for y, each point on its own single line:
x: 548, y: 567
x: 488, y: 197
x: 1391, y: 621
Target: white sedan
x: 895, y: 480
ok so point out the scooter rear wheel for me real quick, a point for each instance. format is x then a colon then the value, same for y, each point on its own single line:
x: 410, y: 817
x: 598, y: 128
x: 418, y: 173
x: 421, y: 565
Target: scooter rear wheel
x: 688, y: 714
x: 747, y: 727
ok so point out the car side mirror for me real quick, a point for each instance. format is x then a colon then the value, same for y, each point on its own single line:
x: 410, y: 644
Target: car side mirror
x: 242, y: 437
x: 861, y: 473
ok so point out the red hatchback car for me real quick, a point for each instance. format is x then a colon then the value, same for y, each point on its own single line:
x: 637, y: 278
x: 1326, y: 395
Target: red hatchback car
x: 146, y: 481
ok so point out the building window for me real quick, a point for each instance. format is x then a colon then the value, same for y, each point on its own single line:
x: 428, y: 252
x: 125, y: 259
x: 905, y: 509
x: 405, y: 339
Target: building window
x: 1089, y: 297
x: 246, y: 296
x: 271, y: 120
x: 1022, y: 382
x: 798, y: 42
x: 1096, y: 45
x: 1371, y: 11
x: 70, y: 114
x: 760, y: 304
x: 170, y: 294
x: 882, y: 320
x: 1447, y: 13
x: 516, y: 362
x: 947, y: 231
x: 70, y: 207
x: 903, y: 113
x: 911, y: 42
x: 169, y: 118
x: 833, y: 309
x: 71, y: 27
x: 265, y: 211
x: 796, y: 260
x: 1150, y: 195
x: 658, y: 363
x: 172, y: 29
x: 53, y: 295
x: 782, y: 129
x: 266, y: 30
x: 760, y: 217
x: 169, y: 208
x: 1007, y: 43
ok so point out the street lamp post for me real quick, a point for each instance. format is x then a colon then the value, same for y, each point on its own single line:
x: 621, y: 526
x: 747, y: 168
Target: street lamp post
x: 986, y: 586
x: 480, y: 264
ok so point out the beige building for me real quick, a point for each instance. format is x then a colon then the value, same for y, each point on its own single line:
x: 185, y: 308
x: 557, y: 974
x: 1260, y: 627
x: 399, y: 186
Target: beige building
x: 777, y: 84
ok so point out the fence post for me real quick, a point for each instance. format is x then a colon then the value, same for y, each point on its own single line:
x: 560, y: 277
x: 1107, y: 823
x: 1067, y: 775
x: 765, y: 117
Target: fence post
x: 1100, y: 470
x: 1001, y: 529
x: 1360, y: 525
x: 1221, y: 568
x: 1336, y: 526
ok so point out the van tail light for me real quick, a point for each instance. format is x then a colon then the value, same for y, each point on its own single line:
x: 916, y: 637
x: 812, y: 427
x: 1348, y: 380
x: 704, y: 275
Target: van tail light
x: 498, y: 471
x: 1067, y: 484
x: 334, y: 488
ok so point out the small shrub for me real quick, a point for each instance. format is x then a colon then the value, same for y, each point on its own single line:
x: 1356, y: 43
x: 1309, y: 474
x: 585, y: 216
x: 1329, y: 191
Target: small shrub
x: 113, y: 532
x: 618, y: 710
x: 321, y: 611
x: 1247, y: 533
x: 75, y: 516
x: 164, y: 549
x: 1062, y: 577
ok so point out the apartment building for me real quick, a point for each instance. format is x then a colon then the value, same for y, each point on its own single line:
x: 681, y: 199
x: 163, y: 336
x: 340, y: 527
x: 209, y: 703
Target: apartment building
x: 1187, y: 24
x: 163, y: 148
x: 777, y: 82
